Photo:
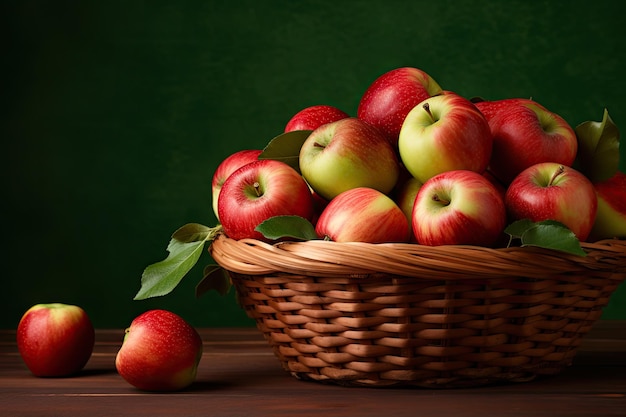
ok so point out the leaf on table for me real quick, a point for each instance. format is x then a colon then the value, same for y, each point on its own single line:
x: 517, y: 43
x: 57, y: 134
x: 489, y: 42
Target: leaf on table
x: 294, y: 227
x: 215, y: 278
x: 286, y: 148
x: 598, y: 148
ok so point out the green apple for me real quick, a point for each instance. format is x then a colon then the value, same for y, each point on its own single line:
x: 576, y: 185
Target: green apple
x: 444, y: 133
x: 346, y: 154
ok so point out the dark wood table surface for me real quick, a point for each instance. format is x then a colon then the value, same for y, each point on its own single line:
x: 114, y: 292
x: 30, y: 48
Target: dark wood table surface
x: 239, y: 376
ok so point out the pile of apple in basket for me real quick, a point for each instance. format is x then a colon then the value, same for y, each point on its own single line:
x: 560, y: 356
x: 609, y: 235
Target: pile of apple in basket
x: 417, y: 164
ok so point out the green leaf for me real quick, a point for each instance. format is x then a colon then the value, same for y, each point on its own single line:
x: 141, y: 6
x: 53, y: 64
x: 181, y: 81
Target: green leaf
x: 295, y: 227
x: 548, y: 234
x: 184, y: 250
x: 598, y: 148
x: 162, y: 277
x: 286, y: 148
x: 193, y: 232
x: 215, y: 278
x: 517, y: 228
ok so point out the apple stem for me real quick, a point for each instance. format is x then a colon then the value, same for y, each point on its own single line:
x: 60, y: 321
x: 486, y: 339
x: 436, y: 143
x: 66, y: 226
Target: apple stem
x: 257, y: 189
x: 318, y: 145
x: 426, y: 107
x: 556, y: 174
x: 440, y: 200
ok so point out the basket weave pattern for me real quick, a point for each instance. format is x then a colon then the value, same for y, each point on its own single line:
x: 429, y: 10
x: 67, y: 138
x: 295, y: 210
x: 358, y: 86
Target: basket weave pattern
x: 406, y: 314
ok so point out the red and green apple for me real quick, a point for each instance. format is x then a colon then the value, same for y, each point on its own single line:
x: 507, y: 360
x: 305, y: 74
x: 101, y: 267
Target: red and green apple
x: 363, y: 214
x: 388, y: 100
x: 345, y: 154
x: 258, y: 191
x: 229, y: 165
x: 458, y: 207
x: 160, y: 352
x: 552, y: 191
x: 444, y: 133
x: 55, y: 339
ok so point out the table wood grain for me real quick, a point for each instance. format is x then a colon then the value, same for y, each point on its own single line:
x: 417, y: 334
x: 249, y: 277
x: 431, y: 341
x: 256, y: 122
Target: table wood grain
x: 239, y: 376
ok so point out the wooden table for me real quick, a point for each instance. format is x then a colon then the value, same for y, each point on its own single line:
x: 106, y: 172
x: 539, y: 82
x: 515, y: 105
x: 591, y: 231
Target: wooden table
x: 239, y: 376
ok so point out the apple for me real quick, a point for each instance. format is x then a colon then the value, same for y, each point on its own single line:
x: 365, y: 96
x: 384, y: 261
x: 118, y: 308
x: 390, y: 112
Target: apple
x: 552, y: 191
x: 229, y: 165
x: 160, y: 352
x: 55, y: 339
x: 444, y: 133
x: 258, y: 191
x: 345, y: 154
x: 525, y: 133
x: 458, y: 207
x: 363, y: 214
x: 611, y: 214
x: 491, y: 108
x: 312, y: 117
x: 388, y: 100
x: 405, y: 198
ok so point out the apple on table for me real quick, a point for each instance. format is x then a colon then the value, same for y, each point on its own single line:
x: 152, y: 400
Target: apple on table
x: 552, y: 191
x: 55, y: 339
x: 160, y: 352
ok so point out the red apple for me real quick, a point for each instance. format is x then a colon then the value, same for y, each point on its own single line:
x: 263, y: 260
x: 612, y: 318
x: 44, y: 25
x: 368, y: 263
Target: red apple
x: 611, y: 215
x: 313, y: 117
x: 258, y: 191
x: 444, y: 133
x: 388, y: 100
x: 160, y: 352
x: 458, y: 207
x: 524, y: 134
x: 55, y: 339
x: 552, y: 191
x: 229, y: 165
x: 363, y: 215
x: 490, y: 109
x: 347, y: 154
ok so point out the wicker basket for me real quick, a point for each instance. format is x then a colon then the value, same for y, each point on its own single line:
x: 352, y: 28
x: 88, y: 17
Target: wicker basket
x: 405, y: 314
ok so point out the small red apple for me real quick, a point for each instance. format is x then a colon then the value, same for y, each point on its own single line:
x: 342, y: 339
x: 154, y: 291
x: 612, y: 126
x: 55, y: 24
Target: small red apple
x: 311, y: 118
x: 611, y: 215
x: 388, y: 100
x: 551, y: 191
x: 444, y: 133
x: 363, y: 215
x: 345, y: 154
x: 525, y: 133
x: 229, y: 165
x: 458, y: 207
x: 258, y: 191
x: 160, y: 352
x: 55, y: 339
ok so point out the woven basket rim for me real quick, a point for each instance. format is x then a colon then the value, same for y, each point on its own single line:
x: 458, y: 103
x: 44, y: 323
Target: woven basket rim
x: 322, y: 258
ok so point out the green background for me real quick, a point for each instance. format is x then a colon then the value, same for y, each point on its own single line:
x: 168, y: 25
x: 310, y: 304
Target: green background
x: 116, y: 113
